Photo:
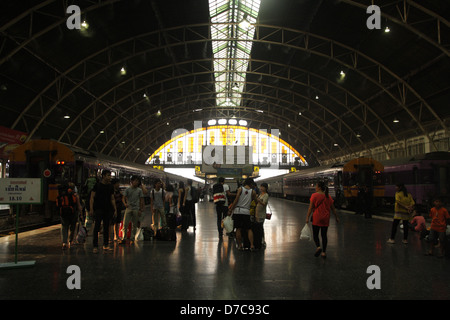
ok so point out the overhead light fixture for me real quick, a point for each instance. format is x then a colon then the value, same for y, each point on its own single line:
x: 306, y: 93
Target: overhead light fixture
x: 245, y: 24
x: 66, y: 117
x: 260, y: 111
x: 232, y: 121
x: 212, y: 122
x: 123, y: 71
x: 84, y: 24
x: 102, y: 131
x: 396, y: 120
x: 242, y: 123
x: 387, y: 30
x: 158, y: 113
x: 317, y: 97
x: 222, y: 121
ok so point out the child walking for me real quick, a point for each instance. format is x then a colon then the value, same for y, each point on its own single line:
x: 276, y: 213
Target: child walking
x: 439, y: 220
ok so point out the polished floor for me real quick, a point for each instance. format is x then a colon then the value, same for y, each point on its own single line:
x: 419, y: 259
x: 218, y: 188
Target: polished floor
x: 200, y: 267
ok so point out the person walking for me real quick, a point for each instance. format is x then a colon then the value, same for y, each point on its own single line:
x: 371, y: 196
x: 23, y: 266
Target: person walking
x: 157, y: 206
x: 134, y: 204
x: 319, y: 206
x: 241, y: 213
x: 260, y: 216
x: 102, y: 207
x: 222, y: 205
x: 404, y: 205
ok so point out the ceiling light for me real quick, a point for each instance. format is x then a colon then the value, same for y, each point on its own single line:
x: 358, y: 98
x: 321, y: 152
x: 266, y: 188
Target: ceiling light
x: 387, y: 30
x: 245, y: 24
x: 232, y: 121
x: 396, y: 120
x: 84, y: 25
x: 66, y: 117
x: 260, y: 111
x: 212, y: 122
x: 123, y: 71
x: 222, y: 121
x: 102, y: 131
x: 317, y: 97
x: 158, y: 113
x: 242, y: 123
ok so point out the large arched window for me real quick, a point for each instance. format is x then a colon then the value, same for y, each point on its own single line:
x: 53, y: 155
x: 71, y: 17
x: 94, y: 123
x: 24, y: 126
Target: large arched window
x: 186, y: 146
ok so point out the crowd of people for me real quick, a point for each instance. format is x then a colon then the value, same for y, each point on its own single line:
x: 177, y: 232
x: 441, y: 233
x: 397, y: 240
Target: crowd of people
x: 321, y: 206
x: 113, y: 210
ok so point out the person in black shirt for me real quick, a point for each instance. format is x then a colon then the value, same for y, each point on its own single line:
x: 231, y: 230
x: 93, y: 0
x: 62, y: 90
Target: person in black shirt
x: 103, y: 207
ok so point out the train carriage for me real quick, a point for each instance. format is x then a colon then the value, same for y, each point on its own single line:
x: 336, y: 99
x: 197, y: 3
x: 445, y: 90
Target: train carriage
x: 57, y: 163
x: 342, y: 179
x: 424, y: 176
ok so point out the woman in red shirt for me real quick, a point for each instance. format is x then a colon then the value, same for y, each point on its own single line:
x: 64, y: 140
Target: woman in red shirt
x: 320, y: 204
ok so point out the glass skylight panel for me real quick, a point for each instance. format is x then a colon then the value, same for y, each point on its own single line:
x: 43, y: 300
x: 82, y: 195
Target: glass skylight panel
x: 232, y: 32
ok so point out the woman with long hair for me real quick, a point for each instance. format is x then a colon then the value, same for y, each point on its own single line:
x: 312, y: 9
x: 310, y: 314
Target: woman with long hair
x: 403, y: 206
x: 320, y: 205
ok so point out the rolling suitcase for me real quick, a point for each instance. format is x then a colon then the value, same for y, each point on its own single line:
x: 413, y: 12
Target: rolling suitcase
x: 171, y: 219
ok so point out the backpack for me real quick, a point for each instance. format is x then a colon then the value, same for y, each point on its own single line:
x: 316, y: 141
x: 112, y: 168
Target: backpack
x: 66, y: 201
x: 219, y: 194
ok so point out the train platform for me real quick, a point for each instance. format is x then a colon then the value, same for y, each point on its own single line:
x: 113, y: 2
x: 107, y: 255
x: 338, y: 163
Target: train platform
x: 198, y: 266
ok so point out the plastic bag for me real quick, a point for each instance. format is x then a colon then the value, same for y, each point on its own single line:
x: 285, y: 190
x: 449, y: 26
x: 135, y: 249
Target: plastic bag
x: 139, y: 235
x: 306, y: 233
x: 228, y: 224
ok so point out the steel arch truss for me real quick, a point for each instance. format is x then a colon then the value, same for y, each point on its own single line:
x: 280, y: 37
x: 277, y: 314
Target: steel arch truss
x: 343, y: 116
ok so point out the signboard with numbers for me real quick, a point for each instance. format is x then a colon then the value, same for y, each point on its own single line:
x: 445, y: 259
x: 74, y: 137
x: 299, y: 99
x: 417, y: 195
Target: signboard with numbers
x: 21, y: 190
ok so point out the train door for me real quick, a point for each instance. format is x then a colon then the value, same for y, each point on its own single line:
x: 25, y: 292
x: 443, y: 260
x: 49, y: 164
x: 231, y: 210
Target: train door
x: 339, y: 189
x: 36, y: 163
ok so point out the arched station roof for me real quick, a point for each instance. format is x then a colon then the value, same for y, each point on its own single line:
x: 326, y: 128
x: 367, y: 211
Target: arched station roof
x: 316, y: 72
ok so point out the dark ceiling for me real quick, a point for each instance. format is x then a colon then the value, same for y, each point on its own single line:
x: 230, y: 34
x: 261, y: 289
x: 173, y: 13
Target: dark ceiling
x: 300, y: 47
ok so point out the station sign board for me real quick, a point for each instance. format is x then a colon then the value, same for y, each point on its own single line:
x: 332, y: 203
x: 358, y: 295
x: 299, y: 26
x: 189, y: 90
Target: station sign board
x: 21, y: 190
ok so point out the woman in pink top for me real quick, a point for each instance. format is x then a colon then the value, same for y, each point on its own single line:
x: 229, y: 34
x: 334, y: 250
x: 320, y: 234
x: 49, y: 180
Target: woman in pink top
x: 320, y: 205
